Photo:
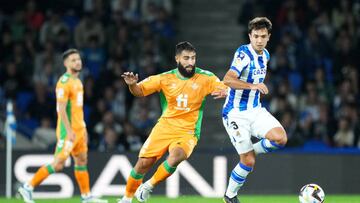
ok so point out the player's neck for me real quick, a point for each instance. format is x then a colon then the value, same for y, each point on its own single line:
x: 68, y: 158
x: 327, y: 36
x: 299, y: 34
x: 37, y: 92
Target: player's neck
x: 258, y: 52
x: 73, y: 73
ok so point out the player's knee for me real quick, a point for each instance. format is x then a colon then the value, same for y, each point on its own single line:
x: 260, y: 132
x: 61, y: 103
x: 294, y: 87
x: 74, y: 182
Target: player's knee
x: 58, y: 166
x: 176, y: 160
x: 248, y: 161
x: 280, y: 137
x: 81, y: 161
x: 144, y: 164
x: 283, y: 140
x: 176, y: 156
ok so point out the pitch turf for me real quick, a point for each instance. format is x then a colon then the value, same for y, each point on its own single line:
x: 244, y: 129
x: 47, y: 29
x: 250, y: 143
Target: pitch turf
x: 197, y: 199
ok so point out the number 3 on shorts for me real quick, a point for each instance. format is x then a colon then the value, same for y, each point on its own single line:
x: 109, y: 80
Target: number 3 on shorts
x: 234, y: 125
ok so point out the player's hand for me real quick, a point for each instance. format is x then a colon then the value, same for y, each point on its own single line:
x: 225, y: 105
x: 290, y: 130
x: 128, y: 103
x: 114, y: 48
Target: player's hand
x: 261, y: 87
x: 219, y: 93
x: 68, y: 146
x: 71, y: 135
x: 130, y: 78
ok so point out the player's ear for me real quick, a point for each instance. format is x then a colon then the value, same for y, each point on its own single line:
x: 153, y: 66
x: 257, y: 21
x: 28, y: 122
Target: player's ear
x: 177, y: 58
x: 65, y: 62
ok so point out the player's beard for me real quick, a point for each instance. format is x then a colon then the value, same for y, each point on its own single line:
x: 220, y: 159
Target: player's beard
x: 184, y: 72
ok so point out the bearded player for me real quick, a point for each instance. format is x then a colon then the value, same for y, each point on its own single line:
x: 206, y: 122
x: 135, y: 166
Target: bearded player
x: 182, y: 94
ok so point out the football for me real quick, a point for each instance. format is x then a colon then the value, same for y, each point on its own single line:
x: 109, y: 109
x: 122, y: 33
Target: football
x: 311, y: 193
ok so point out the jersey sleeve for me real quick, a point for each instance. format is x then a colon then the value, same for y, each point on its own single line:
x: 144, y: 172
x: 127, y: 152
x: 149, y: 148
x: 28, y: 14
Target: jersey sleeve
x: 240, y: 62
x: 150, y: 85
x: 216, y: 84
x: 62, y: 91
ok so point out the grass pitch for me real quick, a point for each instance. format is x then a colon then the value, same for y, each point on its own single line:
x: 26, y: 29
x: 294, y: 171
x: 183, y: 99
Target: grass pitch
x: 198, y: 199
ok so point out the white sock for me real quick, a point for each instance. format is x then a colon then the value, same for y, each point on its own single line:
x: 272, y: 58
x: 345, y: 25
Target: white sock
x: 237, y: 179
x: 265, y: 146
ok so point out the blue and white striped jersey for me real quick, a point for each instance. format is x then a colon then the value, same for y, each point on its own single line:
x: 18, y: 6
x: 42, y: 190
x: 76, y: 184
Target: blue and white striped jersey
x: 251, y: 68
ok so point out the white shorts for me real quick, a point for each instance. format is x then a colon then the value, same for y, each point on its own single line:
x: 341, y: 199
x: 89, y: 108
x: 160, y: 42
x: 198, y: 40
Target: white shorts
x: 241, y: 125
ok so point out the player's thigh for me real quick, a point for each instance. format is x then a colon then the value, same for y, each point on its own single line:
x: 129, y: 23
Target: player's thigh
x: 264, y: 123
x: 80, y: 159
x: 157, y: 143
x: 80, y: 147
x: 184, y: 141
x: 238, y: 130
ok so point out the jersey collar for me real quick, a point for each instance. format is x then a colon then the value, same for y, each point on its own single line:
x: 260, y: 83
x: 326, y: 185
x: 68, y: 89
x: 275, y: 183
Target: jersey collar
x: 254, y: 52
x: 69, y: 75
x: 178, y: 75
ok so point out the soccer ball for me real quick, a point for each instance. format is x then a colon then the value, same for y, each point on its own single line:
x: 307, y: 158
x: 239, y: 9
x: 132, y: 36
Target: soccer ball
x: 311, y: 193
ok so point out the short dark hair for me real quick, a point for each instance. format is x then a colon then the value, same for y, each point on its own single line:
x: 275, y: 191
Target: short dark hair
x: 260, y: 23
x: 181, y: 46
x: 69, y: 52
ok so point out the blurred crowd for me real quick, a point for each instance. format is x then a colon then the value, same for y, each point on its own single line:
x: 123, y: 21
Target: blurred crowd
x: 313, y: 73
x: 113, y: 36
x: 314, y: 68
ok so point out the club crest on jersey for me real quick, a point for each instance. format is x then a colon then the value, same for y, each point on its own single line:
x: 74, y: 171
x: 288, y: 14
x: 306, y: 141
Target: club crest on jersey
x: 173, y: 86
x: 194, y: 86
x: 241, y: 56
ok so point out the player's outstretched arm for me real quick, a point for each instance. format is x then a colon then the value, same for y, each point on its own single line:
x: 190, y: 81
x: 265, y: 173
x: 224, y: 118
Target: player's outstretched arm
x: 219, y: 94
x: 131, y: 81
x: 220, y: 91
x: 231, y: 80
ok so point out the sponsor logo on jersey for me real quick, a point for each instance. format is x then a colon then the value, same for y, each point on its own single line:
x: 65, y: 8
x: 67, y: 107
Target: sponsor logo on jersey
x: 261, y: 71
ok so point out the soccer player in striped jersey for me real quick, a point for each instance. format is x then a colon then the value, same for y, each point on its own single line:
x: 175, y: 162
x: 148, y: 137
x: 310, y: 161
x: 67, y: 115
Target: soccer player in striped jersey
x: 243, y: 115
x: 70, y: 131
x: 182, y: 94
